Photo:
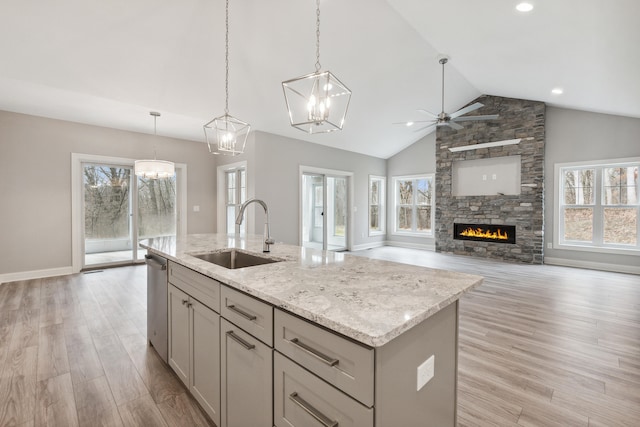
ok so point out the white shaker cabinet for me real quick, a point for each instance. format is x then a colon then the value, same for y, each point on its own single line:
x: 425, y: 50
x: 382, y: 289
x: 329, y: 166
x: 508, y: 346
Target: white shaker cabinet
x: 194, y: 337
x: 247, y: 383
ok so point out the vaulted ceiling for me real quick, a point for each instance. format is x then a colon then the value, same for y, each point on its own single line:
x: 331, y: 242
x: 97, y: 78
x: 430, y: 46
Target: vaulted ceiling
x: 109, y: 63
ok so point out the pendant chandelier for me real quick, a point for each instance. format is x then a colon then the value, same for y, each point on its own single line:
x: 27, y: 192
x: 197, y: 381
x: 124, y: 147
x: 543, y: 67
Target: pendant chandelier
x: 317, y: 102
x: 226, y: 134
x: 154, y: 169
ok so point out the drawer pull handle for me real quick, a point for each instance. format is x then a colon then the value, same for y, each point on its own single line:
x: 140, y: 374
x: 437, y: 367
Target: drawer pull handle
x: 319, y: 416
x: 315, y: 353
x: 240, y: 341
x: 242, y: 313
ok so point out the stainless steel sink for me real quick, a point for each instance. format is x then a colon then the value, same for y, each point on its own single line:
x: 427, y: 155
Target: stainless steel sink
x: 233, y: 259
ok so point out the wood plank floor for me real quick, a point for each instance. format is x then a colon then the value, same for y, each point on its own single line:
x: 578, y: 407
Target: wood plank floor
x: 73, y: 352
x: 539, y: 346
x: 543, y: 345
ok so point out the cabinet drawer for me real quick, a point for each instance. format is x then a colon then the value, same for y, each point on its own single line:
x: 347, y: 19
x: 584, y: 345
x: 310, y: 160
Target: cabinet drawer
x: 341, y: 362
x: 203, y: 288
x: 250, y: 314
x: 302, y: 399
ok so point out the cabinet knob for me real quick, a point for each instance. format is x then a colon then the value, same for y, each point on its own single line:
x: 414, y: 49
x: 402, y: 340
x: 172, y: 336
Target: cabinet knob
x: 185, y: 301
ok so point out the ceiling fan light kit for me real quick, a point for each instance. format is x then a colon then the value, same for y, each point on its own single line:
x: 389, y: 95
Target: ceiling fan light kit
x: 226, y: 134
x: 317, y: 102
x: 445, y: 119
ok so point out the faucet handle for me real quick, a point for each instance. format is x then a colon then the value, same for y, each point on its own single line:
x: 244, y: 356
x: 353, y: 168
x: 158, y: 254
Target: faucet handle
x: 270, y: 241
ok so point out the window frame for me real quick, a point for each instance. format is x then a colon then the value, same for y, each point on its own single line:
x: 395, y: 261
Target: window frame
x: 223, y: 205
x: 597, y: 243
x: 382, y: 206
x: 429, y: 177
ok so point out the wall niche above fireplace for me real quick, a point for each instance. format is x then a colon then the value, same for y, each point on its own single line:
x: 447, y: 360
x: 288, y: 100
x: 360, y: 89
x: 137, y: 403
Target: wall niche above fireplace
x: 486, y: 177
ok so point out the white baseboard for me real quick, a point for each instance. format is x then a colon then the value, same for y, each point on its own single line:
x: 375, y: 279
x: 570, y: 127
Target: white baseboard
x: 423, y: 246
x: 36, y: 274
x: 617, y: 268
x: 366, y: 246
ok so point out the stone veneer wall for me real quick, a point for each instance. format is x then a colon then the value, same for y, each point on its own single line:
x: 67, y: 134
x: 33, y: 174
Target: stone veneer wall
x: 518, y: 119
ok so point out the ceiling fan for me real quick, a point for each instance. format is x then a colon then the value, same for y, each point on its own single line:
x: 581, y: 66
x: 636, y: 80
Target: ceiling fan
x: 444, y: 119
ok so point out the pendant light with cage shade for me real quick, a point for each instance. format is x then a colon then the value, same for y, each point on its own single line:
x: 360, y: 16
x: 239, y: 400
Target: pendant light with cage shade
x: 154, y: 169
x: 226, y: 134
x: 317, y: 102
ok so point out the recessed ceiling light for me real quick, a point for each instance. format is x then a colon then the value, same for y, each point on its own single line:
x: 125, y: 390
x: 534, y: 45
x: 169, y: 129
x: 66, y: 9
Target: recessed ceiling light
x: 524, y: 7
x: 557, y: 91
x: 409, y: 123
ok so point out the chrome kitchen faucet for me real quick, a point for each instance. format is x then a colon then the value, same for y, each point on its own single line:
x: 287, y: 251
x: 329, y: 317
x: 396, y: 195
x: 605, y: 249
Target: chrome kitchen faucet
x: 267, y: 234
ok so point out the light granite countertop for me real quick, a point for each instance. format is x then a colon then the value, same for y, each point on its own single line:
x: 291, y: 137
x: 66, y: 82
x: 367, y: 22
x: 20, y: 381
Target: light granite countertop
x: 368, y: 300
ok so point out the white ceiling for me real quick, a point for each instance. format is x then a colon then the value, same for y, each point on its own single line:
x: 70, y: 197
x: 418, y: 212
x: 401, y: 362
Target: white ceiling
x: 109, y: 63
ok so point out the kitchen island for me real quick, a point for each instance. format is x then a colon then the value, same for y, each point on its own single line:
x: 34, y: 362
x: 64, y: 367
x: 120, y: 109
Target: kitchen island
x: 348, y: 340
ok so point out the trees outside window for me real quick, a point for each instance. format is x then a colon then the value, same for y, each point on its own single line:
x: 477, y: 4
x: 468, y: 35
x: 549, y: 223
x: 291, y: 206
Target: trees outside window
x: 414, y: 205
x: 599, y: 205
x: 377, y: 205
x: 235, y: 196
x: 106, y: 196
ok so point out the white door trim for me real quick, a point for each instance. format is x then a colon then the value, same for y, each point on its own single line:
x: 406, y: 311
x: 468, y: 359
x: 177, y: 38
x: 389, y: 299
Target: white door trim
x: 350, y: 197
x: 77, y: 217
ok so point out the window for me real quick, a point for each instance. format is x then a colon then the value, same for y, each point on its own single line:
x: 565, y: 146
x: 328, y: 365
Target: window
x: 236, y: 193
x: 599, y: 206
x: 377, y: 186
x: 414, y: 209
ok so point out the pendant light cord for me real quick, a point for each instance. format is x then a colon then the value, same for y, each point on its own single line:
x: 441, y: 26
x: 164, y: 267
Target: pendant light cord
x: 155, y: 136
x: 226, y: 60
x: 318, y: 35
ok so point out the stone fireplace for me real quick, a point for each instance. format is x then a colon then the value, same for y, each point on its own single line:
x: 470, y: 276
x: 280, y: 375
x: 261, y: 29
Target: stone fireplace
x: 519, y: 208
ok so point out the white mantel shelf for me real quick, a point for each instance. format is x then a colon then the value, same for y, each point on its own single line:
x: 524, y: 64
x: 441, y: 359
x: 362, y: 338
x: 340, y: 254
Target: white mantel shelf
x: 370, y: 301
x: 488, y: 144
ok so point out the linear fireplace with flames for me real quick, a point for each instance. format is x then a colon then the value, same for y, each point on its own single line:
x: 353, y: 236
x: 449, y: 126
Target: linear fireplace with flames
x: 485, y: 232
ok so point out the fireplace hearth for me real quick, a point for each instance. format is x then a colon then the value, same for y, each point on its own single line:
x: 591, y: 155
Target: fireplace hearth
x: 495, y: 233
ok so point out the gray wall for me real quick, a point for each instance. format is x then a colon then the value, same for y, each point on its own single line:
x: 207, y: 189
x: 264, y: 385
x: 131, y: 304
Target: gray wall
x: 574, y: 136
x: 35, y: 183
x: 35, y: 175
x: 277, y: 172
x: 416, y: 159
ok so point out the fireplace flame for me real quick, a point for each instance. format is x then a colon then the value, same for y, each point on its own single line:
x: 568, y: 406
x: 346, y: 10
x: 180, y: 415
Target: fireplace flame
x: 486, y: 234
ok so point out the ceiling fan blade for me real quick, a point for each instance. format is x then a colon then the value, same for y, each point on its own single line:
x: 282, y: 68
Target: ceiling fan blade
x: 429, y: 113
x: 465, y: 110
x: 426, y: 127
x: 468, y: 118
x: 411, y: 121
x: 454, y: 125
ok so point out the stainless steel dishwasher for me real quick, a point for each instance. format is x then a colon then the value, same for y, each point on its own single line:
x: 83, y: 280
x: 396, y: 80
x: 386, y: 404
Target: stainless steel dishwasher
x: 157, y: 304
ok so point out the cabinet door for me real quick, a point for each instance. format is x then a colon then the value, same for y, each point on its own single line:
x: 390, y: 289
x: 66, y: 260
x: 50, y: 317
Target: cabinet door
x: 205, y: 359
x: 247, y: 381
x: 179, y: 332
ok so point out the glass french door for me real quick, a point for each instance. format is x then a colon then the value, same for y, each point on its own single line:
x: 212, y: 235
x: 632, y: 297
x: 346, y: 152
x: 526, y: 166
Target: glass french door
x: 121, y: 209
x: 324, y: 211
